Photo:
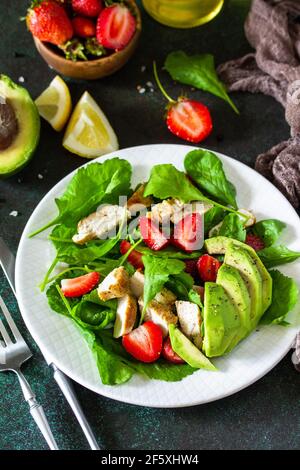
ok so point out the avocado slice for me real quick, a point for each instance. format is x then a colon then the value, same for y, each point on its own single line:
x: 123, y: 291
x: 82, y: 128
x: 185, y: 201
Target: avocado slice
x: 20, y: 127
x: 221, y: 319
x: 188, y: 351
x: 219, y: 245
x: 235, y: 287
x: 239, y: 258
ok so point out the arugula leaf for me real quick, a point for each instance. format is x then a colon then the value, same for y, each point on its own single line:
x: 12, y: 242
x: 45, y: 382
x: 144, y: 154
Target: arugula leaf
x: 268, y: 230
x: 232, y: 227
x: 166, y: 181
x: 198, y: 71
x: 92, y: 185
x: 277, y: 255
x: 206, y: 169
x: 157, y: 273
x: 212, y: 217
x: 284, y: 299
x: 69, y: 252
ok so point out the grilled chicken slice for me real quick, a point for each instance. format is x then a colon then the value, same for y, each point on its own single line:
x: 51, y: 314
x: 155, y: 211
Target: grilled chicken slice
x: 115, y: 285
x: 161, y: 315
x: 174, y: 210
x: 137, y: 281
x: 165, y: 297
x: 126, y: 315
x: 137, y: 202
x: 100, y: 223
x: 190, y: 321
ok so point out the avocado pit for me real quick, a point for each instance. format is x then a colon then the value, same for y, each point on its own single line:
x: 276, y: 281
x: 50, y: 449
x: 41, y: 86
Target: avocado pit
x: 8, y: 124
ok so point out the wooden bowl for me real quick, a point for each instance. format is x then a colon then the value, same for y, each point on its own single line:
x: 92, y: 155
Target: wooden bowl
x: 96, y: 68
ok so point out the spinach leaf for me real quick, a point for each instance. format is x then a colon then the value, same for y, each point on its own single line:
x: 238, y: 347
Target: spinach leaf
x: 212, y: 217
x: 69, y: 252
x: 232, y: 227
x: 181, y: 286
x: 110, y: 358
x: 198, y: 71
x: 268, y: 230
x: 166, y: 181
x: 92, y: 185
x: 54, y: 300
x: 277, y: 255
x: 169, y: 252
x: 92, y: 316
x: 206, y: 169
x: 157, y: 273
x: 284, y: 299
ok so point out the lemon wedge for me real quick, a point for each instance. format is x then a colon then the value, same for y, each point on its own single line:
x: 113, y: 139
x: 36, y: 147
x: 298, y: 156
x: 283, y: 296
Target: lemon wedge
x: 89, y: 134
x: 55, y: 103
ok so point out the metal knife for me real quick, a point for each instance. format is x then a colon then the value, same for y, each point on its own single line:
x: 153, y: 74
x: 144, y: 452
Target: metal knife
x: 7, y: 262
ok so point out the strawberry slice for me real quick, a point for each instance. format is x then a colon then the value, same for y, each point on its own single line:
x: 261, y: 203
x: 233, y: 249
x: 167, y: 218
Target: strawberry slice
x: 134, y: 258
x: 170, y: 355
x: 190, y: 120
x: 254, y: 241
x: 188, y: 233
x: 83, y: 27
x: 145, y: 342
x: 152, y: 235
x: 81, y: 285
x: 115, y: 27
x: 208, y: 267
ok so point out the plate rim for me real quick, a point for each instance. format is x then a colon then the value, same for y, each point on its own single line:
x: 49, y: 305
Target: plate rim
x: 69, y: 373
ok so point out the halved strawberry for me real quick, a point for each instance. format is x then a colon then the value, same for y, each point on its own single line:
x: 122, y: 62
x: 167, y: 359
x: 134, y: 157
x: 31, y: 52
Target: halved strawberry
x: 254, y: 241
x: 115, y: 27
x: 90, y: 8
x: 152, y: 235
x: 208, y: 267
x: 83, y: 27
x: 188, y: 232
x: 134, y: 258
x: 170, y: 355
x: 145, y: 342
x: 81, y: 285
x: 188, y: 119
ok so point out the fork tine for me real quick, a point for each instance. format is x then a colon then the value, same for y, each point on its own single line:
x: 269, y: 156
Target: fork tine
x: 10, y: 321
x: 4, y: 334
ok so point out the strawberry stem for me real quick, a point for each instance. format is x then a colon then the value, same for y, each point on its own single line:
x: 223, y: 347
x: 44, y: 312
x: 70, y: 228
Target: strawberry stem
x: 159, y: 84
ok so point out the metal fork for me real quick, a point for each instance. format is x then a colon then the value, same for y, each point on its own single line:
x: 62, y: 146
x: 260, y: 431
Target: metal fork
x: 12, y: 355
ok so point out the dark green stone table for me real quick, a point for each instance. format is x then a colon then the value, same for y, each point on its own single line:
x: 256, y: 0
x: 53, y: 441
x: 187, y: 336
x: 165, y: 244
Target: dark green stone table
x: 265, y: 415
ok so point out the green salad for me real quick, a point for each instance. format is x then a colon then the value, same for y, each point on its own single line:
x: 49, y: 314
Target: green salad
x: 162, y: 278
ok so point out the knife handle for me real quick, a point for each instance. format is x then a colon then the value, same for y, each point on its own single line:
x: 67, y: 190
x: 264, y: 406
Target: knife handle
x: 67, y: 389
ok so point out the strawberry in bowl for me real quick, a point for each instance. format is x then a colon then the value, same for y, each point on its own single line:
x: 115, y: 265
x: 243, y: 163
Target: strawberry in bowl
x: 84, y: 39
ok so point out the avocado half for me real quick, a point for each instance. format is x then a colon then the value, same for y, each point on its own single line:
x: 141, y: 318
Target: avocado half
x: 234, y: 304
x: 19, y: 127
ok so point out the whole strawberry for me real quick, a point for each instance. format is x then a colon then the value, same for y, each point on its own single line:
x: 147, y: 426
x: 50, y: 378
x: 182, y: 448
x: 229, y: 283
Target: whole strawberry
x: 48, y: 21
x: 89, y: 8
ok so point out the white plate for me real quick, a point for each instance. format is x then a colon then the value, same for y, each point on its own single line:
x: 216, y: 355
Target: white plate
x: 61, y: 342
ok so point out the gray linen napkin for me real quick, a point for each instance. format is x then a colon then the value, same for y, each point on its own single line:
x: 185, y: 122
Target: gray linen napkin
x: 273, y: 30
